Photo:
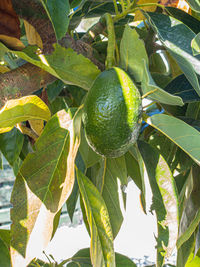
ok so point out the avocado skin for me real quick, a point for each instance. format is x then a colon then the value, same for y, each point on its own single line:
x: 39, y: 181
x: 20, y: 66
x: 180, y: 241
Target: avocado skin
x: 112, y: 113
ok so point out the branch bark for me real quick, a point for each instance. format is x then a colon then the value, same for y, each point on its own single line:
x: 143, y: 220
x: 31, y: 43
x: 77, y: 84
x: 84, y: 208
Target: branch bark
x: 28, y: 78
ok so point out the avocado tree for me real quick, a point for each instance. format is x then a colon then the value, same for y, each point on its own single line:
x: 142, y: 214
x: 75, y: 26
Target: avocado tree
x: 86, y: 108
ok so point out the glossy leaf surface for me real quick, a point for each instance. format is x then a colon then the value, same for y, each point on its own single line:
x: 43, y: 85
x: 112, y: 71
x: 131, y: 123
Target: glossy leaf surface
x: 114, y: 183
x: 182, y: 134
x: 88, y: 155
x: 135, y: 170
x: 156, y: 93
x: 165, y: 200
x: 101, y: 249
x: 196, y: 45
x: 11, y: 145
x: 82, y: 257
x: 184, y: 17
x: 57, y: 12
x: 191, y: 213
x: 132, y: 53
x: 25, y: 108
x: 195, y: 5
x: 181, y: 87
x: 177, y: 37
x: 65, y: 64
x: 42, y: 186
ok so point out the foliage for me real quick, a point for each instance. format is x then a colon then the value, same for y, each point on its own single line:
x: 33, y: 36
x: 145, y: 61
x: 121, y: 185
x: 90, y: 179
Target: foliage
x: 43, y: 138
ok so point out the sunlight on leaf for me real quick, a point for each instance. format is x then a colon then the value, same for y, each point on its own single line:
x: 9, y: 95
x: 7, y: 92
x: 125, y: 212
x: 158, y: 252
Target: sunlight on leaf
x: 138, y: 14
x: 132, y: 53
x: 114, y: 180
x: 101, y: 250
x: 22, y: 109
x: 165, y: 200
x: 177, y: 38
x: 42, y: 186
x: 181, y: 133
x: 156, y: 93
x: 196, y: 45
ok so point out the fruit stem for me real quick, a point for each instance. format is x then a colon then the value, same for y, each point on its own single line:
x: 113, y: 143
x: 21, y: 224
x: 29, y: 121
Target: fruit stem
x: 110, y: 59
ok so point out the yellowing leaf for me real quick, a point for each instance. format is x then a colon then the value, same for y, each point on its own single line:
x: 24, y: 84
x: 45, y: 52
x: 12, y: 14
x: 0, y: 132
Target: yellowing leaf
x: 150, y: 8
x: 12, y: 42
x: 32, y: 35
x: 37, y: 126
x: 22, y: 109
x: 4, y: 69
x: 42, y: 186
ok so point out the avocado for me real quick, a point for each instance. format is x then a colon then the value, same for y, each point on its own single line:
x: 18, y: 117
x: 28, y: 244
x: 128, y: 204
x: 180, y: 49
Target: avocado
x: 112, y: 113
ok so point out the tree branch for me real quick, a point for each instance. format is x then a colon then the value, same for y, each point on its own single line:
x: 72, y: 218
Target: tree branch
x: 23, y: 81
x: 28, y: 78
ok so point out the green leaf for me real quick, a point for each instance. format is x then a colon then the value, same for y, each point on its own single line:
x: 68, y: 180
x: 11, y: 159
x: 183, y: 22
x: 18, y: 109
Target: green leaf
x: 156, y: 93
x: 74, y: 3
x: 193, y: 111
x: 191, y: 213
x: 135, y: 170
x: 165, y: 200
x: 96, y: 174
x: 82, y: 257
x: 4, y: 255
x: 5, y: 237
x: 196, y: 45
x: 42, y: 186
x: 11, y: 145
x: 182, y: 134
x: 132, y: 53
x: 186, y: 18
x: 177, y: 37
x: 58, y: 104
x: 56, y: 223
x: 54, y: 89
x: 195, y: 5
x: 1, y: 161
x: 88, y: 155
x: 181, y: 87
x: 4, y: 248
x: 101, y: 249
x: 58, y: 12
x: 65, y: 64
x: 184, y: 252
x: 72, y: 200
x: 165, y: 146
x: 114, y: 183
x: 193, y: 261
x: 22, y: 109
x: 124, y: 261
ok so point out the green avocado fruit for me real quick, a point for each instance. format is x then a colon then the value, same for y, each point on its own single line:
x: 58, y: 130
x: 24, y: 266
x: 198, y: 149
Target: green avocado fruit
x: 112, y: 113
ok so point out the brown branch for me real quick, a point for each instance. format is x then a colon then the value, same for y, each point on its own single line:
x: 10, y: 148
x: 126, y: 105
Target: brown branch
x: 28, y: 78
x: 23, y: 81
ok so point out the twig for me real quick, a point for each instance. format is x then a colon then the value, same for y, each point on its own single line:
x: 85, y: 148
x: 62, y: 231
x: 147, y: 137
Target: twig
x: 25, y: 130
